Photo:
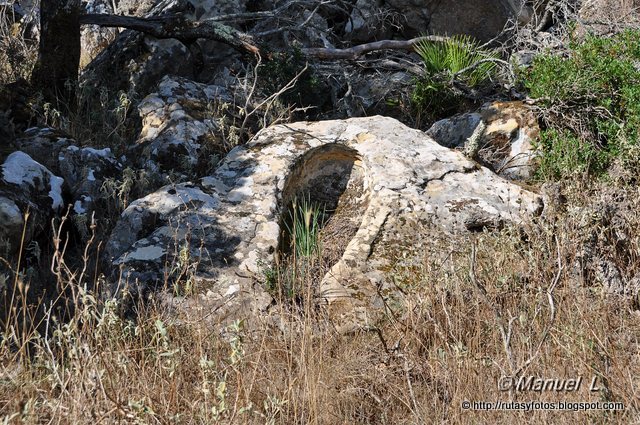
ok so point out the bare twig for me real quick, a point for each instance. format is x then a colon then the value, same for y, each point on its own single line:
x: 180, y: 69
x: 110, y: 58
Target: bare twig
x: 357, y: 51
x: 504, y: 333
x: 473, y: 66
x: 266, y: 103
x: 507, y: 330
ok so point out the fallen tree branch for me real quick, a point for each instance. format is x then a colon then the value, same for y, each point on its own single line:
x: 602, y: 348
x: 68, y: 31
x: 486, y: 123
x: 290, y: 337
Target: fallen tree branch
x: 357, y: 51
x: 177, y: 27
x: 189, y: 31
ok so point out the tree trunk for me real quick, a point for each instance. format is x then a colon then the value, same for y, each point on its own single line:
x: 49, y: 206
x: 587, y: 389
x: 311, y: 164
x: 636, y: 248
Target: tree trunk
x: 56, y: 71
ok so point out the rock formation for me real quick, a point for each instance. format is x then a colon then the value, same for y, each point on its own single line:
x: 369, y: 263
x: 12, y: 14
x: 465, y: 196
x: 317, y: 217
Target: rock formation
x: 377, y: 176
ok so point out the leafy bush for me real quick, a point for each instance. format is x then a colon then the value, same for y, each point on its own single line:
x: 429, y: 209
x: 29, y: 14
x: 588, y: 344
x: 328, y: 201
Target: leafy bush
x: 564, y: 152
x: 591, y: 103
x: 443, y: 61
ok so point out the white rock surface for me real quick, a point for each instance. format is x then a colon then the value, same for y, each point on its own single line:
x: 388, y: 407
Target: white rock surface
x: 228, y: 224
x: 20, y: 169
x: 177, y: 120
x: 26, y: 187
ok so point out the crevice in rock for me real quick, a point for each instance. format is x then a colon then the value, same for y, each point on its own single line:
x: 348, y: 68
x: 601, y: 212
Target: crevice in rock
x: 332, y: 180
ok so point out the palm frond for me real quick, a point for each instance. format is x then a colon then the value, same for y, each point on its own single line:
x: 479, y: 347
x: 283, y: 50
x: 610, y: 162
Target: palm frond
x: 456, y: 54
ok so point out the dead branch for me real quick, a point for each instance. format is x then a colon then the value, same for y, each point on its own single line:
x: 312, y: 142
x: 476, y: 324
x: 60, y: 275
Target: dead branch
x: 552, y: 314
x: 357, y: 51
x: 506, y: 327
x: 189, y: 31
x: 177, y: 27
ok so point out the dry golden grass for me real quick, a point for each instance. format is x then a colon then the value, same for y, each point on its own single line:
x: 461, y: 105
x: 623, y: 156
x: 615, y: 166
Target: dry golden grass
x: 470, y: 310
x: 440, y: 344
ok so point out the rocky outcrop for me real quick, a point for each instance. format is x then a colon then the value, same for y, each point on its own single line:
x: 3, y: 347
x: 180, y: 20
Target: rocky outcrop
x: 44, y: 144
x: 500, y: 136
x: 83, y: 170
x: 134, y: 62
x: 367, y: 21
x: 29, y: 196
x: 480, y: 19
x: 181, y: 122
x: 225, y: 230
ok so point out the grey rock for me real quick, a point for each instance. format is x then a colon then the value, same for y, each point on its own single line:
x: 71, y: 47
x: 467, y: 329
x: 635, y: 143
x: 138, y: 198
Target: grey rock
x: 179, y: 122
x: 44, y: 144
x: 480, y: 19
x: 504, y: 144
x: 134, y: 62
x: 455, y: 131
x: 27, y: 189
x: 85, y: 171
x: 367, y: 21
x: 225, y: 229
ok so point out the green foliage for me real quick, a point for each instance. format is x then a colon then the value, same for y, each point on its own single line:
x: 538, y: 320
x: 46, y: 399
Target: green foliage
x: 454, y: 55
x: 458, y: 57
x: 303, y: 226
x: 301, y: 249
x: 282, y: 68
x: 564, y: 153
x: 591, y: 102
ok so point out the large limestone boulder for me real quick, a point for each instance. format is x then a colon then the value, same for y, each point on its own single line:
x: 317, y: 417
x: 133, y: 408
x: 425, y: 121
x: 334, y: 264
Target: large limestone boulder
x: 379, y: 177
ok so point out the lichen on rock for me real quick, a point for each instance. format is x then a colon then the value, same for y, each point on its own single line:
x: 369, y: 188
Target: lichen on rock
x: 229, y: 223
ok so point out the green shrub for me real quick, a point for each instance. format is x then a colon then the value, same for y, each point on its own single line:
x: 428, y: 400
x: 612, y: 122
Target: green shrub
x: 590, y: 102
x: 442, y: 60
x: 564, y: 153
x: 300, y: 263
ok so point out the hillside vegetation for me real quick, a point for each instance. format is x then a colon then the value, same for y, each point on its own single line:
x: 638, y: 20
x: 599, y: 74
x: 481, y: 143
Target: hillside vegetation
x: 556, y: 296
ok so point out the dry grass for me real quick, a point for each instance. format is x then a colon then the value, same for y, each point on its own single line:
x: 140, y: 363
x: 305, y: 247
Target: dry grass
x: 440, y: 344
x: 468, y: 311
x: 17, y: 52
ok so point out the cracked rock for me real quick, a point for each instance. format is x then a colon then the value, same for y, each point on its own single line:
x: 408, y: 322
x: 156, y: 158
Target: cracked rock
x: 226, y: 229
